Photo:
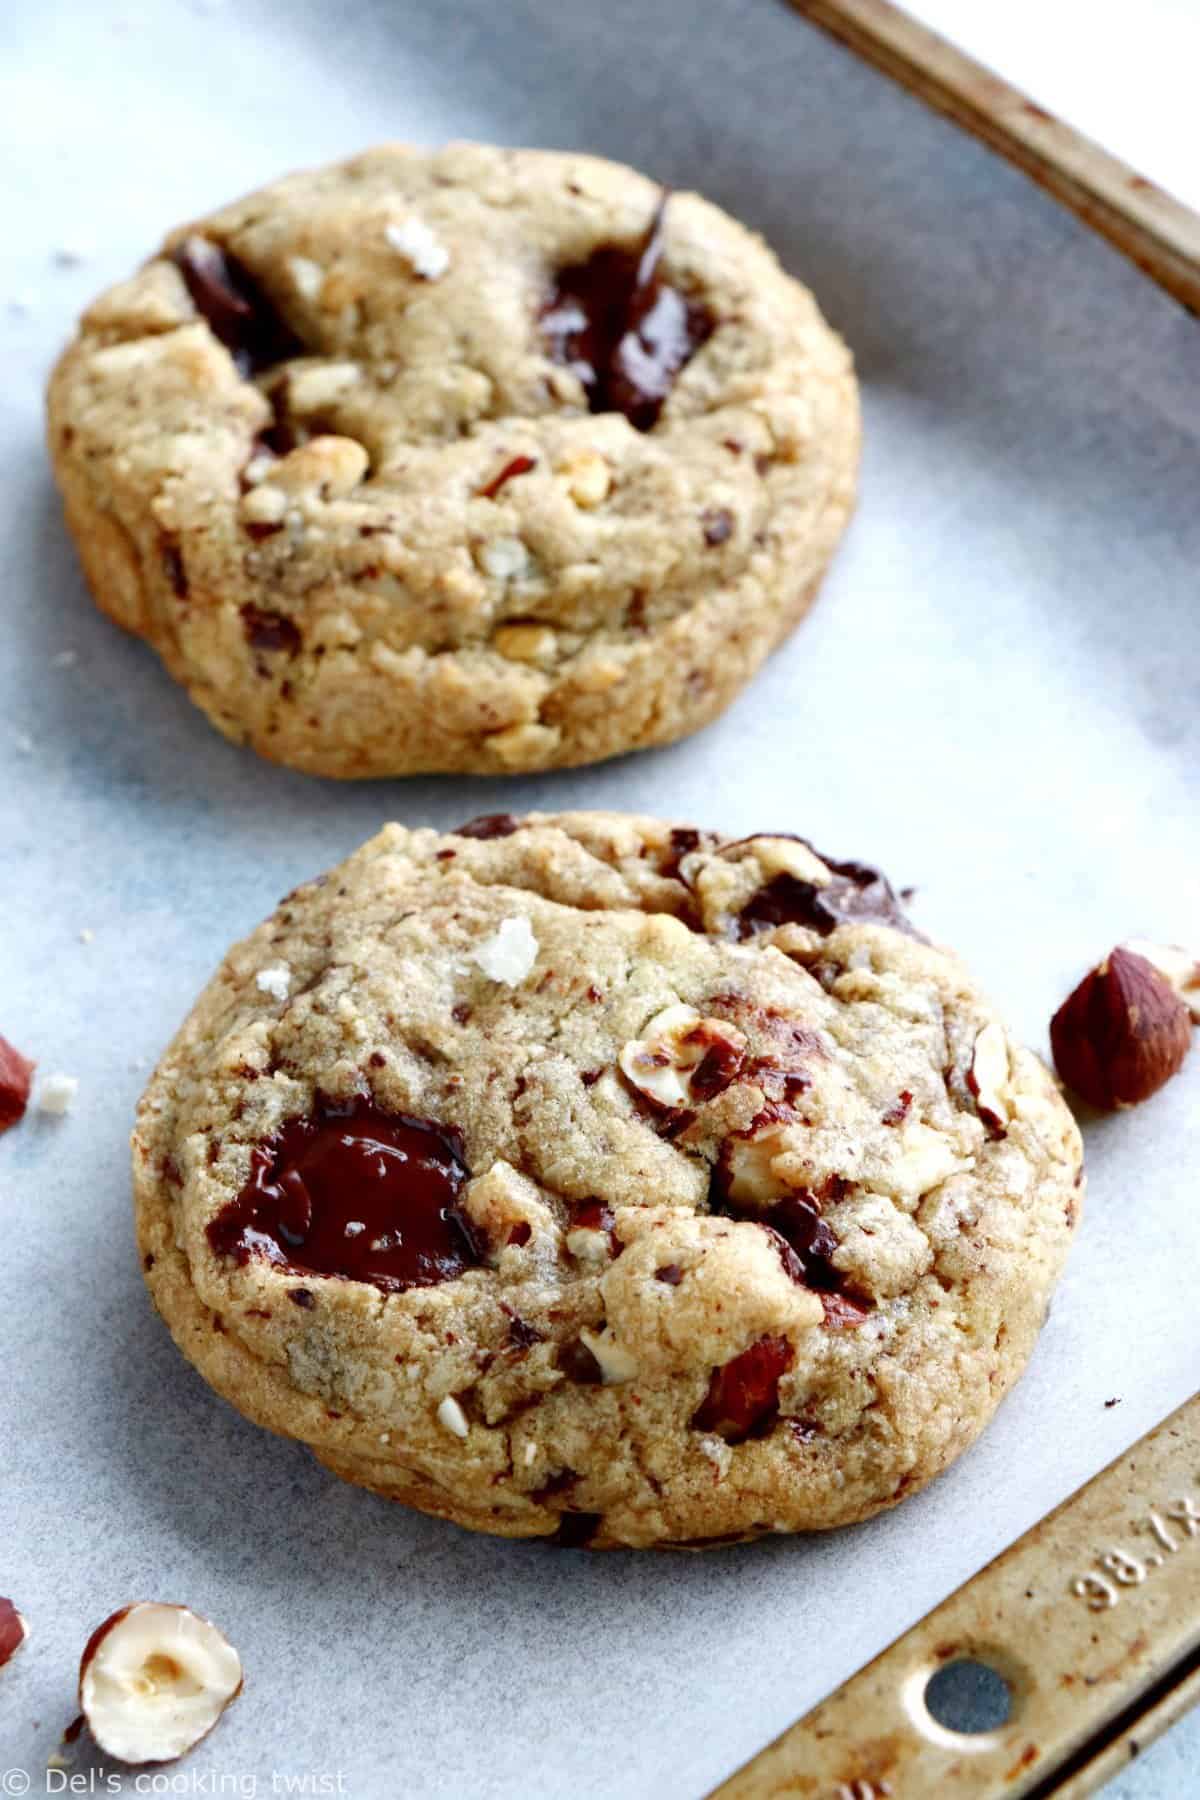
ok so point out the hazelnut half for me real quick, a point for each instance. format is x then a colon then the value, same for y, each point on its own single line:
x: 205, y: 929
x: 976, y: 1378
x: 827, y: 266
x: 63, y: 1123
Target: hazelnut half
x: 1122, y: 1034
x: 154, y: 1680
x: 13, y: 1631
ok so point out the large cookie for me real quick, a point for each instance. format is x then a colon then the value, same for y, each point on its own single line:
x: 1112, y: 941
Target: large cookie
x: 580, y: 1175
x: 478, y: 459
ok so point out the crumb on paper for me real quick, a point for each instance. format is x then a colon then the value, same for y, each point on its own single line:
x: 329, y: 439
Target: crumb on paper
x: 64, y: 659
x: 68, y: 256
x: 56, y: 1093
x: 452, y: 1418
x: 19, y: 305
x: 510, y: 953
x: 1116, y: 1401
x: 417, y: 244
x: 275, y: 981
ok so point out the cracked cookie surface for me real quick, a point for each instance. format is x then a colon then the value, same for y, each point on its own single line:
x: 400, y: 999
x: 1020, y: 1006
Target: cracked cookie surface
x: 473, y: 459
x: 581, y: 1175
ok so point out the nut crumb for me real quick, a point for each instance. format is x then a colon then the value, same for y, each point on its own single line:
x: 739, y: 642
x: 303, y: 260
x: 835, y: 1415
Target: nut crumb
x: 56, y: 1094
x: 510, y: 953
x: 452, y: 1418
x: 275, y: 981
x: 308, y: 276
x: 505, y: 559
x: 417, y: 244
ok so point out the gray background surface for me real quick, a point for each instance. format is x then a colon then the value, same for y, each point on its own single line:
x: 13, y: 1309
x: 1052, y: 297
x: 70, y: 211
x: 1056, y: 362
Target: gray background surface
x: 997, y: 698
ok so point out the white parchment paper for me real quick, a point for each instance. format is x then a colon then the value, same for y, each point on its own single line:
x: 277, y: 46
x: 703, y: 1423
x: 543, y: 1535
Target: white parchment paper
x: 997, y: 698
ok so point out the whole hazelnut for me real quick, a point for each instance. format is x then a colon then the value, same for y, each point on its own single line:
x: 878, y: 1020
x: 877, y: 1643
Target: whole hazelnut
x: 1122, y: 1034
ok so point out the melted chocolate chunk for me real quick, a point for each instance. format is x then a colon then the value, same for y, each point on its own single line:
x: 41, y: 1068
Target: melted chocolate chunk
x: 578, y: 1364
x: 623, y: 330
x: 238, y: 313
x: 489, y: 825
x: 576, y: 1530
x: 684, y: 839
x: 856, y: 892
x: 355, y: 1192
x: 595, y: 1215
x: 559, y: 1483
x: 798, y: 1221
x: 521, y: 1334
x: 720, y: 1066
x: 270, y: 630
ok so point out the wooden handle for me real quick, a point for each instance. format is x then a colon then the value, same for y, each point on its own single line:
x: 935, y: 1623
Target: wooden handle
x: 1156, y: 231
x: 1092, y: 1620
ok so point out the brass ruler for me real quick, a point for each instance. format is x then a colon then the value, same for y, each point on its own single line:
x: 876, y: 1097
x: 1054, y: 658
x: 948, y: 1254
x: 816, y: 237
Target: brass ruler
x: 1092, y: 1620
x: 1156, y: 231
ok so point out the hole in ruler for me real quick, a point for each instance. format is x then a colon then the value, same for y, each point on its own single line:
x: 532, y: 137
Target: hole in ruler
x: 968, y: 1697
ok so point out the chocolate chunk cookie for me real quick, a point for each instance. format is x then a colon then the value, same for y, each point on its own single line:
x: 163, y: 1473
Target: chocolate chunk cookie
x: 545, y: 1177
x: 469, y: 460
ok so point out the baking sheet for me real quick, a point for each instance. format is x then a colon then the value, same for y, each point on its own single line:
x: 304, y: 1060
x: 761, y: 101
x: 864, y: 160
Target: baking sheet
x: 996, y: 698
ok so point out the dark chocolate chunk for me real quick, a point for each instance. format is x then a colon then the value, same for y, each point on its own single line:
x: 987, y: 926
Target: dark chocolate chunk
x: 624, y: 330
x: 270, y: 630
x: 576, y: 1530
x: 857, y: 891
x: 489, y: 825
x: 355, y: 1192
x: 225, y: 294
